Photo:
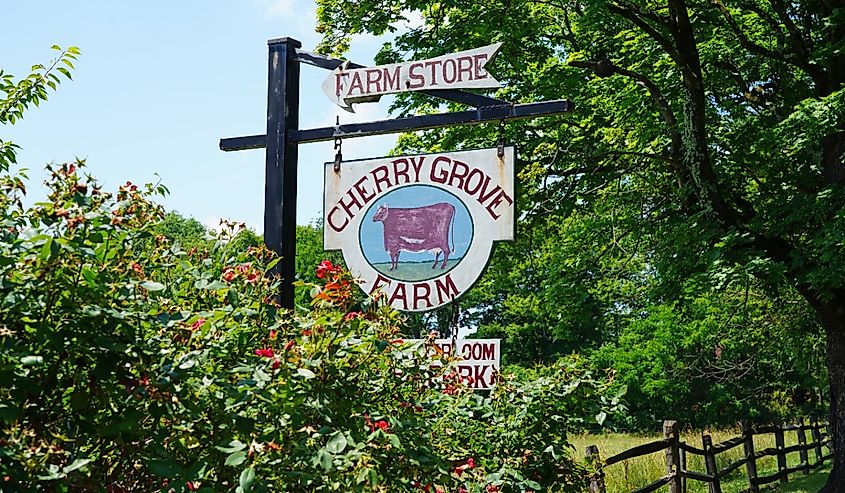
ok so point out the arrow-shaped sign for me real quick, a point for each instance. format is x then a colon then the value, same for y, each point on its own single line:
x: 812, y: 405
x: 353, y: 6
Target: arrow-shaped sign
x: 462, y: 70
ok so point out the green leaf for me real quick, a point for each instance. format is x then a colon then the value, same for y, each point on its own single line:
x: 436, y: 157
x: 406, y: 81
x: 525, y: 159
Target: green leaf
x: 246, y: 479
x: 600, y: 417
x: 305, y: 373
x: 337, y: 443
x: 46, y: 249
x: 215, y: 285
x: 9, y: 413
x: 152, y: 286
x: 623, y: 389
x: 234, y: 446
x: 31, y: 360
x: 236, y: 458
x: 165, y: 468
x: 75, y: 465
x: 323, y: 459
x: 53, y: 473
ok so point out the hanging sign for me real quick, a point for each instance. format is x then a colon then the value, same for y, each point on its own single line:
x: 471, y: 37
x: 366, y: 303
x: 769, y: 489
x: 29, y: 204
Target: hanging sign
x: 480, y: 359
x: 463, y: 70
x: 419, y: 228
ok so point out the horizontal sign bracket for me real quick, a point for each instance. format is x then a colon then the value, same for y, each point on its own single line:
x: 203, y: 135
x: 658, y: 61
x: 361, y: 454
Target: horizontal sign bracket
x: 407, y: 124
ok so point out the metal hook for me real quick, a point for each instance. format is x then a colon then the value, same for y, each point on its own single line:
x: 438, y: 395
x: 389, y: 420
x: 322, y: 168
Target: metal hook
x: 501, y: 150
x: 338, y: 146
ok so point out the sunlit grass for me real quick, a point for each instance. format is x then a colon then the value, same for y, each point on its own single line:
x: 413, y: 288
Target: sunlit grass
x: 635, y: 473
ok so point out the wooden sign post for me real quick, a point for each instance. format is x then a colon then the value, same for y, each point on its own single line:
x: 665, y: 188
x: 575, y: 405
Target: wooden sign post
x: 283, y: 134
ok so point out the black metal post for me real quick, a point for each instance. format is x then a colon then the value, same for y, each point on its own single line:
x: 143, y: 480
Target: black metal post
x: 281, y: 157
x: 283, y: 136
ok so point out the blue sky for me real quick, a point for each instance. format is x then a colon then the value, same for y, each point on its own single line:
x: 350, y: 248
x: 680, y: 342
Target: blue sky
x: 159, y: 83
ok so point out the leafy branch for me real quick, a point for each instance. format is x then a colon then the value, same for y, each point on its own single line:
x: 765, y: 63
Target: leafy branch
x: 33, y: 88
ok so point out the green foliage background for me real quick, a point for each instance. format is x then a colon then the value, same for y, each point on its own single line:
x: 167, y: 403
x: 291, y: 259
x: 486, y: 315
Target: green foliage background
x: 683, y: 224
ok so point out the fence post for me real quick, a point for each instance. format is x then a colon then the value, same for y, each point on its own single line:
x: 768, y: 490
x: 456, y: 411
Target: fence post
x: 710, y: 463
x: 751, y: 460
x: 682, y: 467
x: 779, y: 443
x: 802, y: 440
x: 817, y: 438
x: 670, y: 432
x: 597, y: 478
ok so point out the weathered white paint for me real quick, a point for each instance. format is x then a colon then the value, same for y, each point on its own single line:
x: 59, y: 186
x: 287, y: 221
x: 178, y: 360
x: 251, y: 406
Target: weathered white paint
x: 462, y: 70
x: 486, y: 190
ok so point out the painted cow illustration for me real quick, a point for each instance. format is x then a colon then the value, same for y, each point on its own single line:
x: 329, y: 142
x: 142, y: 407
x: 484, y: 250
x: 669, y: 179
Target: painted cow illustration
x: 418, y: 229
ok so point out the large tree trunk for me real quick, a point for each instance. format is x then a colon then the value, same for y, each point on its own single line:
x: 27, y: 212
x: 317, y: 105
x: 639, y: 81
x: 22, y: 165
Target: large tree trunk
x: 833, y: 319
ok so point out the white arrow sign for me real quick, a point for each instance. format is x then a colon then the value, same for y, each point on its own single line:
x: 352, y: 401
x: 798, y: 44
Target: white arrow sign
x: 462, y: 70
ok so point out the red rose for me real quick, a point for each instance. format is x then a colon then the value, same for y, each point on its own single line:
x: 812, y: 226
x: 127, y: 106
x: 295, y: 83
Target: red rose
x: 469, y: 464
x: 325, y: 267
x: 229, y: 274
x: 266, y: 353
x: 192, y: 486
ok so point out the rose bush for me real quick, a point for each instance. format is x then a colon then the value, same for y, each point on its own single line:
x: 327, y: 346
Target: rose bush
x: 129, y: 364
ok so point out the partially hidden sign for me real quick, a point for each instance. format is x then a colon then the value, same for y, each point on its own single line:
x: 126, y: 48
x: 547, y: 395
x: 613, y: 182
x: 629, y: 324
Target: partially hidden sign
x: 463, y: 70
x: 479, y: 363
x: 420, y: 228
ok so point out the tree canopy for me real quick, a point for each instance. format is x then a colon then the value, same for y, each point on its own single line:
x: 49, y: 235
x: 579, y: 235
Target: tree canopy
x: 706, y: 148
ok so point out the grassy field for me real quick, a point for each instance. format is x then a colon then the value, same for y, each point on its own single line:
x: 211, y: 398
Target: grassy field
x: 807, y: 484
x: 635, y: 473
x: 416, y: 271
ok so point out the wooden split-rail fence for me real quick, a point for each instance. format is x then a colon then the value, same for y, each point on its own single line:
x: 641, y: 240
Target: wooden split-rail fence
x: 676, y: 452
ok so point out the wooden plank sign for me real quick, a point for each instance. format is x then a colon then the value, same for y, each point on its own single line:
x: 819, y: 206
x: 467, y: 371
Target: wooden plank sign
x: 480, y: 359
x: 420, y: 229
x: 462, y: 70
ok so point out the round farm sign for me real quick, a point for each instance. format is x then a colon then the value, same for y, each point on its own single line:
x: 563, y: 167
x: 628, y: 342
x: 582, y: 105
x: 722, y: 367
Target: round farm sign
x: 420, y: 228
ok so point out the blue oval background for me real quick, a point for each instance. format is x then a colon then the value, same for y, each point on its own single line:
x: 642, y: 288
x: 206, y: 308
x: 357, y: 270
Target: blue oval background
x: 414, y: 266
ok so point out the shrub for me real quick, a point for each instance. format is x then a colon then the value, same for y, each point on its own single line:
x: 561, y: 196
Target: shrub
x: 129, y: 364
